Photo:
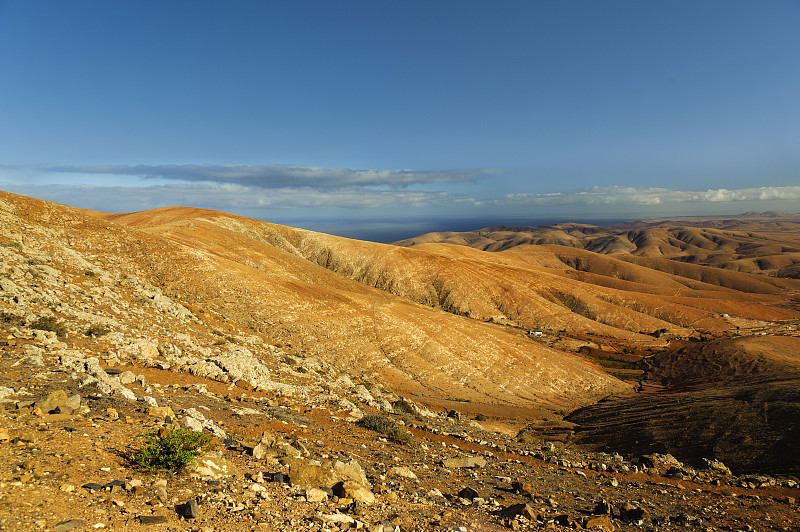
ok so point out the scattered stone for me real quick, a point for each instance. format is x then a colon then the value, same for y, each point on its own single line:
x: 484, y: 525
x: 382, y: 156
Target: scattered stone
x: 602, y: 508
x: 468, y: 493
x: 152, y: 519
x: 525, y: 510
x: 64, y: 526
x: 603, y: 522
x: 212, y: 465
x: 316, y: 495
x: 160, y: 411
x: 190, y: 509
x: 402, y: 472
x: 55, y: 399
x: 632, y: 514
x: 562, y: 520
x: 73, y: 401
x: 522, y: 487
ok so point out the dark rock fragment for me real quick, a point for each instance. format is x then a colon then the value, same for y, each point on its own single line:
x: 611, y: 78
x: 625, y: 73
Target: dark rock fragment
x: 525, y: 510
x: 152, y: 519
x: 190, y: 509
x: 468, y: 493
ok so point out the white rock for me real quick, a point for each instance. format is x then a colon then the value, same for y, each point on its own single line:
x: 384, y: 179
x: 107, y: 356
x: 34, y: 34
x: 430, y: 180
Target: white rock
x: 192, y: 424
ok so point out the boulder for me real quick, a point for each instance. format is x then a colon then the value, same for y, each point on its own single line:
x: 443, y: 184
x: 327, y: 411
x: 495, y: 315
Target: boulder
x: 350, y: 489
x: 241, y: 364
x: 53, y: 400
x: 316, y: 495
x: 189, y: 510
x: 602, y: 522
x: 402, y: 472
x: 525, y: 510
x: 310, y: 474
x: 212, y: 465
x: 160, y: 411
x: 273, y: 445
x: 346, y: 479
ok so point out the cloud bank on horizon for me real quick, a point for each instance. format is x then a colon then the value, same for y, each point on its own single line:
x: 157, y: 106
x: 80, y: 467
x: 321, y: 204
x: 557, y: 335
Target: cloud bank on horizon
x: 281, y: 175
x: 295, y: 191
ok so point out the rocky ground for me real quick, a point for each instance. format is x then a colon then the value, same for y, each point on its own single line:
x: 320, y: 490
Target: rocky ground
x: 294, y: 461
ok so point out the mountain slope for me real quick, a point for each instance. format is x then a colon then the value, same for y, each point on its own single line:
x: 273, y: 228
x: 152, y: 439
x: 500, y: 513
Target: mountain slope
x: 223, y: 265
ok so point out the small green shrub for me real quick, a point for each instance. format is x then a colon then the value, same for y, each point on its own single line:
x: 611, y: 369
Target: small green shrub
x: 50, y: 323
x: 11, y: 318
x: 97, y: 331
x: 480, y: 417
x: 170, y: 449
x: 403, y: 406
x: 386, y: 426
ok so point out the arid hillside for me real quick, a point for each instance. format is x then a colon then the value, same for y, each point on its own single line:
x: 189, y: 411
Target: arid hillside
x: 269, y: 279
x: 766, y: 243
x: 552, y: 288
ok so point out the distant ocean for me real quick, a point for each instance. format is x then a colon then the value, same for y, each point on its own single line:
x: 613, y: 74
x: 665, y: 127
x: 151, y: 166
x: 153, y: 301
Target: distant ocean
x: 386, y: 231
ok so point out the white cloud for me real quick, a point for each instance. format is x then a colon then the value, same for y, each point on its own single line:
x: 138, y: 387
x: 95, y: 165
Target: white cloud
x: 652, y: 196
x: 227, y: 197
x: 275, y: 176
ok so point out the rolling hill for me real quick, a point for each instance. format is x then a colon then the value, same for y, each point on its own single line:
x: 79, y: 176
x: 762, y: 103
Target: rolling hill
x: 754, y: 243
x: 446, y: 320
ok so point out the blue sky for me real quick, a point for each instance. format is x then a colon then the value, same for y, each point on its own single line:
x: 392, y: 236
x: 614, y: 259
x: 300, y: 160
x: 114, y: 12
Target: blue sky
x: 381, y: 119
